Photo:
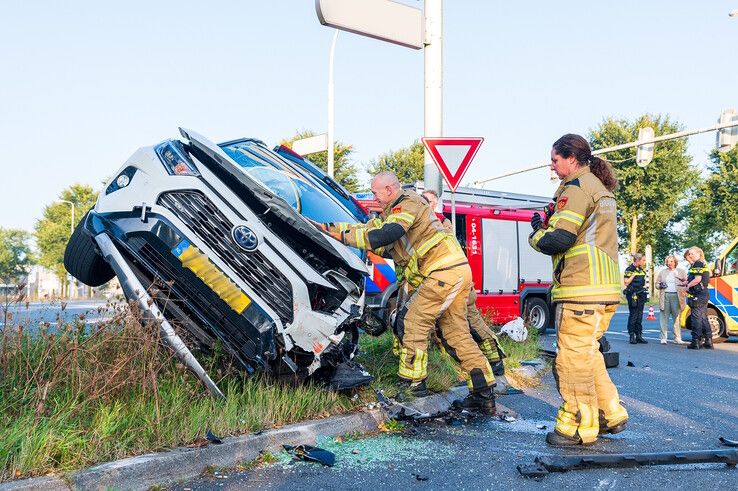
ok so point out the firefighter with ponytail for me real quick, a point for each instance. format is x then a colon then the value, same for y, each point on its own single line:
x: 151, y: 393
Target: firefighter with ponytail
x: 581, y: 238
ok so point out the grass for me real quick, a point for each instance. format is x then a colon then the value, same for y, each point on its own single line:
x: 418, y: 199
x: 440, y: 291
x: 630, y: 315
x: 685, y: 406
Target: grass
x: 71, y: 397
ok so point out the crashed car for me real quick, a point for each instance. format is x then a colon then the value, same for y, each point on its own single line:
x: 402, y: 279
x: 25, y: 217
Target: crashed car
x: 217, y: 239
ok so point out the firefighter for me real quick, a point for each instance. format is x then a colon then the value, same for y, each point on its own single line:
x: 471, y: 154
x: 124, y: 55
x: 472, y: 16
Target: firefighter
x: 581, y: 238
x: 697, y: 279
x: 635, y: 292
x: 485, y: 338
x: 436, y: 267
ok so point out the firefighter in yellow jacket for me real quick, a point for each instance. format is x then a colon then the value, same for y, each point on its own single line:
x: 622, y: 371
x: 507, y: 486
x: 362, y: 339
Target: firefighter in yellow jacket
x: 581, y: 238
x: 436, y: 267
x: 480, y: 331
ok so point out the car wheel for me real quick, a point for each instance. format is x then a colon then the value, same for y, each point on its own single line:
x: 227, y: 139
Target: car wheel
x: 717, y: 325
x: 82, y: 259
x: 537, y: 314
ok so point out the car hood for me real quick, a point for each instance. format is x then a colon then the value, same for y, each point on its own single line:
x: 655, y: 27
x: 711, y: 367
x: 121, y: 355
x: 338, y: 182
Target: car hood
x: 225, y: 167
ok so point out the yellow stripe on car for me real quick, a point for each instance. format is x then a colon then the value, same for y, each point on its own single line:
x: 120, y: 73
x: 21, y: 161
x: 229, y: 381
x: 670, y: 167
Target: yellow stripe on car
x: 197, y: 262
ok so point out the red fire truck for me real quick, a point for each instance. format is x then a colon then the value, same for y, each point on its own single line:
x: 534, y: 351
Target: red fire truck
x: 510, y: 277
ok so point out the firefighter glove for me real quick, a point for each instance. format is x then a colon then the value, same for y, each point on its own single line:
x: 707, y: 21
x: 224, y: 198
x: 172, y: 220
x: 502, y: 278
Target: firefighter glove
x: 536, y: 221
x: 548, y: 212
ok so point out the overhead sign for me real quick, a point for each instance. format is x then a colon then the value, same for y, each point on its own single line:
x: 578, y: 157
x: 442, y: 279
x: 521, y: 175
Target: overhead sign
x: 385, y: 20
x: 452, y: 156
x: 313, y: 144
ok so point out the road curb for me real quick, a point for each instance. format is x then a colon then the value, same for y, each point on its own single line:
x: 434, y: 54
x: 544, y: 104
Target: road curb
x: 144, y: 471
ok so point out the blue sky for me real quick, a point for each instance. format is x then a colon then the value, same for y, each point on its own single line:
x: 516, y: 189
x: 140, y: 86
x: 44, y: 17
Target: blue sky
x: 83, y: 83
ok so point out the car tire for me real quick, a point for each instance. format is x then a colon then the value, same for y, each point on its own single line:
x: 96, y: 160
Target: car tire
x: 82, y: 259
x: 717, y: 324
x: 537, y: 314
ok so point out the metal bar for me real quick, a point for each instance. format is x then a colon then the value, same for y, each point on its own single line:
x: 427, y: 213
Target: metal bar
x: 563, y: 463
x: 670, y: 136
x: 134, y: 290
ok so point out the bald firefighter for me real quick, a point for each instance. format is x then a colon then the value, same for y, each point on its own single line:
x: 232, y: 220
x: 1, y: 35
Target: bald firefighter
x: 485, y: 338
x: 581, y: 238
x: 436, y: 267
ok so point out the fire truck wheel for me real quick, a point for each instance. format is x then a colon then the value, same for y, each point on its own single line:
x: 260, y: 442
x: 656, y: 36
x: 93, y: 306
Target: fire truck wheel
x: 717, y: 325
x: 537, y: 314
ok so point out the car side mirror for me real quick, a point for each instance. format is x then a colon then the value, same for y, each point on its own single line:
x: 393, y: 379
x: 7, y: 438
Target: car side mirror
x: 718, y: 267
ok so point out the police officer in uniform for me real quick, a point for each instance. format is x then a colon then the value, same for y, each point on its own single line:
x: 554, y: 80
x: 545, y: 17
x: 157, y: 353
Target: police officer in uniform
x: 485, y: 338
x: 698, y: 278
x: 635, y: 292
x: 436, y: 267
x: 581, y: 238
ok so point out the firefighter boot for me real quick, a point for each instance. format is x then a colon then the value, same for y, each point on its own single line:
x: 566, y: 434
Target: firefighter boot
x: 695, y: 344
x: 417, y: 389
x: 633, y: 338
x: 604, y: 429
x: 481, y: 398
x: 556, y: 439
x: 708, y: 343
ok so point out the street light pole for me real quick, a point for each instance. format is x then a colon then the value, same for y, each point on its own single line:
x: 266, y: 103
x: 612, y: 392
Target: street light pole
x: 71, y: 231
x: 331, y: 156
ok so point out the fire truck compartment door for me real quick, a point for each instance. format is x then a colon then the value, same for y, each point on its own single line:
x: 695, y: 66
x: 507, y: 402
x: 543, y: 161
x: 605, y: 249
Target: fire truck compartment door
x: 534, y: 266
x: 500, y: 239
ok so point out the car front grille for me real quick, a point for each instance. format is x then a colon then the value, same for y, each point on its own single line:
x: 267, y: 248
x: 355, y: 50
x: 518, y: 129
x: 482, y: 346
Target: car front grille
x: 211, y: 226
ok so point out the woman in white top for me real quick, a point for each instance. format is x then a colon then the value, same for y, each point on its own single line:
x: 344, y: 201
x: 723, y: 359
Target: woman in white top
x: 672, y: 298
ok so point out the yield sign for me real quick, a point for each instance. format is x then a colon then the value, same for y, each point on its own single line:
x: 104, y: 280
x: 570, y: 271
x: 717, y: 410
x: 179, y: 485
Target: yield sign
x: 453, y: 155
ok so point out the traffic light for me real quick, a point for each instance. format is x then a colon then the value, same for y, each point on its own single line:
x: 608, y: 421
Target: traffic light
x: 727, y: 137
x: 644, y: 153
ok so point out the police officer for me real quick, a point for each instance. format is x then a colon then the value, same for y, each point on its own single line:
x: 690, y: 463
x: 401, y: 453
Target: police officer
x: 436, y: 267
x: 698, y: 278
x: 581, y: 238
x: 635, y: 292
x: 485, y: 338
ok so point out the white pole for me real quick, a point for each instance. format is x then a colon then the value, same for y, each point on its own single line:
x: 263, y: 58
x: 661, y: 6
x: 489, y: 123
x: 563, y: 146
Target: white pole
x: 453, y: 212
x: 433, y: 88
x: 330, y: 107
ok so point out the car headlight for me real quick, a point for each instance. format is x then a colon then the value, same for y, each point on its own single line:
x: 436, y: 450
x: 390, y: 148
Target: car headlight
x: 175, y: 159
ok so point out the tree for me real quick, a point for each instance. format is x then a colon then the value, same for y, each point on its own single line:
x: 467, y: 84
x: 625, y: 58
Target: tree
x: 52, y: 232
x: 406, y: 162
x: 712, y: 214
x: 15, y: 254
x: 648, y: 198
x: 344, y: 169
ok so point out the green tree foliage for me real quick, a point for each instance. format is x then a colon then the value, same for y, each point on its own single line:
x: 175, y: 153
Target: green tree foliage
x: 406, y: 162
x: 344, y: 169
x: 53, y: 230
x: 15, y: 254
x: 652, y: 194
x: 712, y: 214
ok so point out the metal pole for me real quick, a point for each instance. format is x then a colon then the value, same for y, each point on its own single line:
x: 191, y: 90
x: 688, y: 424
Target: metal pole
x: 433, y: 92
x: 331, y: 170
x: 671, y: 136
x: 453, y: 212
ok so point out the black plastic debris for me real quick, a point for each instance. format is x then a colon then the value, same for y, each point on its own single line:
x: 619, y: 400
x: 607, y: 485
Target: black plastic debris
x: 308, y: 453
x: 420, y: 477
x: 349, y: 375
x: 728, y: 443
x: 209, y: 436
x: 630, y: 364
x: 612, y: 359
x: 532, y: 471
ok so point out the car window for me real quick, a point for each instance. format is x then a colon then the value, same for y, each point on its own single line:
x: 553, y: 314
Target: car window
x: 271, y: 171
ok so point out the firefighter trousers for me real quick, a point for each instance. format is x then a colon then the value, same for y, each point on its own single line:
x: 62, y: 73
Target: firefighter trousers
x: 441, y: 298
x: 480, y: 331
x: 580, y: 371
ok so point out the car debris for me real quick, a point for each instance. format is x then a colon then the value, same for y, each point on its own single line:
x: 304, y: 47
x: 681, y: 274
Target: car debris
x: 562, y: 463
x: 728, y: 443
x: 209, y: 436
x: 309, y: 453
x: 216, y: 240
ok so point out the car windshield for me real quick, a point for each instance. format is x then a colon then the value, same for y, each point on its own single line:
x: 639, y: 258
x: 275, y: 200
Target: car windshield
x: 274, y: 173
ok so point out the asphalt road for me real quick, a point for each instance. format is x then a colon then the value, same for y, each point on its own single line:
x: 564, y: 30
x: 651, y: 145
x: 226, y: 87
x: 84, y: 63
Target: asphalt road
x: 678, y: 399
x: 56, y: 312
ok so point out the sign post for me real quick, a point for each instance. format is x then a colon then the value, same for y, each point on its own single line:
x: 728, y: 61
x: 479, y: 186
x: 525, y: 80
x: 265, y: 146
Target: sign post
x: 452, y: 156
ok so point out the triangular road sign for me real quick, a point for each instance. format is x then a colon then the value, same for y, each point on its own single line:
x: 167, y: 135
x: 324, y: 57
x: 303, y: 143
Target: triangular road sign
x: 453, y: 155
